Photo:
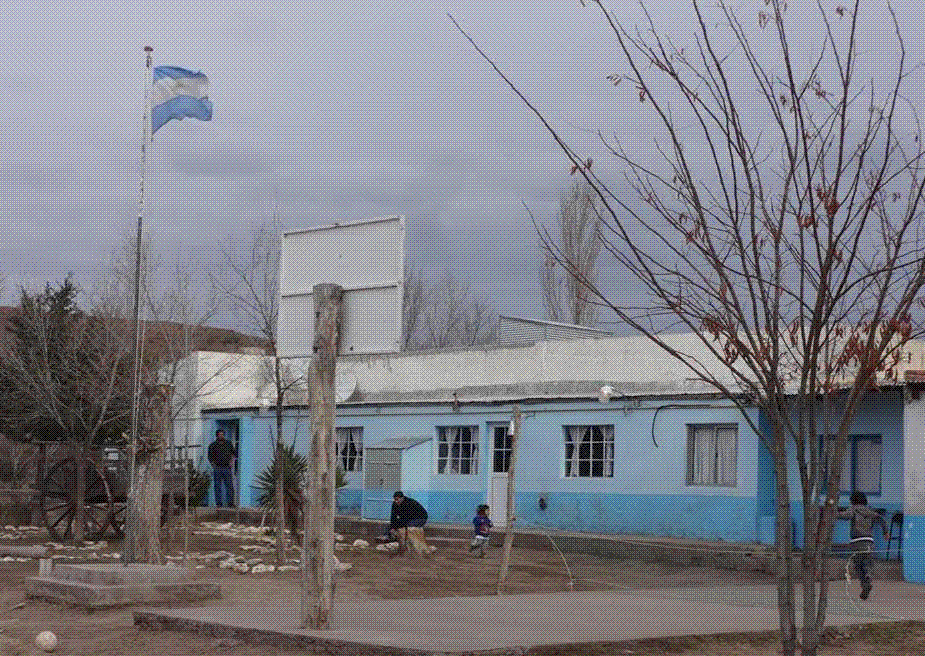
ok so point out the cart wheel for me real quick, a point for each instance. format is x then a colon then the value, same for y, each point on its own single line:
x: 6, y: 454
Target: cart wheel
x: 60, y: 509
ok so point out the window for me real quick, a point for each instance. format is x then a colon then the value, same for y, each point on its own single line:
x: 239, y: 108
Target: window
x: 862, y: 466
x: 458, y: 450
x: 501, y: 461
x: 588, y: 451
x: 350, y: 449
x: 712, y: 451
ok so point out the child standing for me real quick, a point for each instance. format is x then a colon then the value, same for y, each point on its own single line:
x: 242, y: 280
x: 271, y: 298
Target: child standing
x: 482, y: 530
x: 862, y: 540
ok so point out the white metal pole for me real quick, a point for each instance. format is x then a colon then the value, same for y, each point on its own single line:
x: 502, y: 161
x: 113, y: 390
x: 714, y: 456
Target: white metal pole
x: 128, y: 555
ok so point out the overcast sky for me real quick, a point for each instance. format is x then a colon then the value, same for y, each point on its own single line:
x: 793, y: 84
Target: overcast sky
x: 327, y: 111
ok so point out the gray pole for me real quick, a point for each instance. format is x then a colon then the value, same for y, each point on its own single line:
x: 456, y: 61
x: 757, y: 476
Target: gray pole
x: 511, y: 499
x: 128, y: 555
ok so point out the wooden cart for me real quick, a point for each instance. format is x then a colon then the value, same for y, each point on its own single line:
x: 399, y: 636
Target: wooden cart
x: 106, y: 475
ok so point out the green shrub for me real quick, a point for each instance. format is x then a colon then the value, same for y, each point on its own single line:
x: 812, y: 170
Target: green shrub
x: 295, y: 466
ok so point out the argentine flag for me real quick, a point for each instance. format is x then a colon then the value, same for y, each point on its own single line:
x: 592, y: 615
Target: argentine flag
x: 179, y: 93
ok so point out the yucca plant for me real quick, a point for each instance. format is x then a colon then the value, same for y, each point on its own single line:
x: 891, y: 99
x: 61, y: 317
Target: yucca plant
x: 295, y: 465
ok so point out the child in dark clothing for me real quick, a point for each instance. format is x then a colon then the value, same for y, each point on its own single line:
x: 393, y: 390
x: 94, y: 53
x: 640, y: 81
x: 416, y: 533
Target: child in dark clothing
x: 862, y: 540
x: 481, y: 530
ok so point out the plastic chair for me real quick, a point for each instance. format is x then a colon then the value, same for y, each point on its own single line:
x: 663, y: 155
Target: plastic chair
x: 897, y: 521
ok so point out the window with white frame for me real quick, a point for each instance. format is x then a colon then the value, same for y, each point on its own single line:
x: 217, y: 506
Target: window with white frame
x: 863, y: 464
x: 712, y: 452
x: 589, y: 451
x: 458, y: 450
x: 350, y: 449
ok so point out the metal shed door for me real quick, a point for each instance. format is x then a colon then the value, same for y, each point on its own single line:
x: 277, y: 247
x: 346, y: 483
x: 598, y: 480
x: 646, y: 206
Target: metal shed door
x: 382, y: 469
x: 381, y: 477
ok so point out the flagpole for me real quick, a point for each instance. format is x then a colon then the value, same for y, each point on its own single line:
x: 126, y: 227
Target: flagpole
x: 128, y: 550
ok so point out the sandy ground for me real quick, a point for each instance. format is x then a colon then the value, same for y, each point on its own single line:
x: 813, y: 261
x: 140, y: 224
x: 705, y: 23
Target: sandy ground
x: 451, y: 571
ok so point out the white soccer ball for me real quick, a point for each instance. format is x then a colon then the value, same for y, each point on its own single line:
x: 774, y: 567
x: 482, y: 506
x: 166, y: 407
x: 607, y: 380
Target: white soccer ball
x: 46, y: 641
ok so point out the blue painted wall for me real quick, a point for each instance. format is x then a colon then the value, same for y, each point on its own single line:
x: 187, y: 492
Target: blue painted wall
x: 647, y: 494
x: 880, y: 414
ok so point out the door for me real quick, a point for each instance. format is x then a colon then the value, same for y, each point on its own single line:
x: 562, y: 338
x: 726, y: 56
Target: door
x: 381, y: 478
x: 232, y: 430
x: 501, y: 460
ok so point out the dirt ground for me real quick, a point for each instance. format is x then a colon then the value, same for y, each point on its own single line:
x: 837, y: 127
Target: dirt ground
x: 451, y: 571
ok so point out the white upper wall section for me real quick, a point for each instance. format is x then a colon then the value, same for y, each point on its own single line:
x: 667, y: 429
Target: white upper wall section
x: 555, y: 369
x: 614, y: 360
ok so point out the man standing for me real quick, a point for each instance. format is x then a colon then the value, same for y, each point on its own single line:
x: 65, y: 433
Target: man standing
x: 221, y: 457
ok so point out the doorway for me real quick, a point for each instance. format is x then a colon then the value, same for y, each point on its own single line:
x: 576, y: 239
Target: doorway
x: 232, y: 433
x: 501, y: 462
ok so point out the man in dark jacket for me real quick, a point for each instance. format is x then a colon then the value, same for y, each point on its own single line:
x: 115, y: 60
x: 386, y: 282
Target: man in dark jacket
x: 221, y: 457
x: 407, y: 523
x: 406, y: 512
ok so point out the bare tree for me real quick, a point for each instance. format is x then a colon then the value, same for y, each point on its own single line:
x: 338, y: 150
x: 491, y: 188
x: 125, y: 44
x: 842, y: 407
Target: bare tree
x: 566, y: 294
x: 414, y: 304
x: 252, y: 285
x: 63, y: 379
x: 175, y: 315
x: 445, y: 315
x: 789, y: 244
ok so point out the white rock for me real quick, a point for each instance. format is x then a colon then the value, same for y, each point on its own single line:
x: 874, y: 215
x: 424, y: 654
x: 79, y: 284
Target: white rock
x: 341, y: 567
x: 338, y: 537
x: 260, y: 569
x: 46, y: 641
x: 241, y: 568
x: 287, y: 568
x: 360, y: 544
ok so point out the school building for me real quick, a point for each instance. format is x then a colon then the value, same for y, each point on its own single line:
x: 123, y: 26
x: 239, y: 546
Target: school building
x: 658, y: 454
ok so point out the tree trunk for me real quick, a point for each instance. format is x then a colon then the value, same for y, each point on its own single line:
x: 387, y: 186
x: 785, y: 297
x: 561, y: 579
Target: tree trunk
x: 318, y: 541
x: 784, y: 540
x: 144, y: 535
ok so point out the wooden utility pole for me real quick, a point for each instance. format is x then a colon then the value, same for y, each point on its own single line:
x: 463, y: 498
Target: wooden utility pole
x: 319, y: 501
x: 511, y: 517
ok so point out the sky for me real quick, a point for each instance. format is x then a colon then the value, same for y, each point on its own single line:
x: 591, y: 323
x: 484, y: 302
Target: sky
x: 323, y: 112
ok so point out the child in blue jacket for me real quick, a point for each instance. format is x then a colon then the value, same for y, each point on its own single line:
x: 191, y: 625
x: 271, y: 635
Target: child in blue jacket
x: 481, y: 530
